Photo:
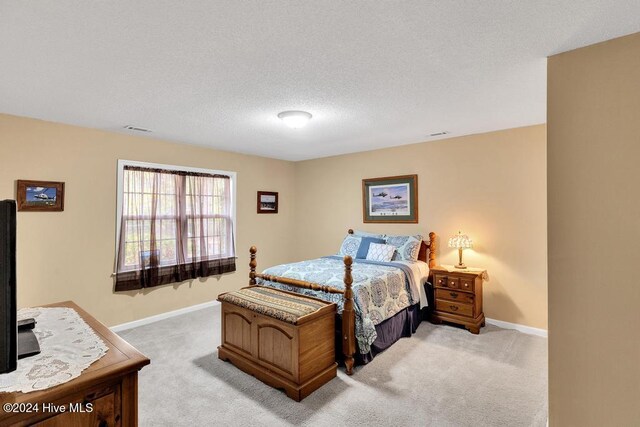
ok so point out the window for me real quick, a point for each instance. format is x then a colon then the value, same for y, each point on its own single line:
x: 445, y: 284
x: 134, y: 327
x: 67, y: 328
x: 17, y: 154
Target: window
x: 174, y: 224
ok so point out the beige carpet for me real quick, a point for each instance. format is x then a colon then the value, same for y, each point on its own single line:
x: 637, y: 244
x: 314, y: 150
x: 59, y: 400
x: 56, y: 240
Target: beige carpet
x: 442, y: 376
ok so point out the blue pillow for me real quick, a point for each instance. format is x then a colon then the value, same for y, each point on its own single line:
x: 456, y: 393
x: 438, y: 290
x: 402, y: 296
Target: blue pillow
x: 364, y: 246
x: 367, y: 234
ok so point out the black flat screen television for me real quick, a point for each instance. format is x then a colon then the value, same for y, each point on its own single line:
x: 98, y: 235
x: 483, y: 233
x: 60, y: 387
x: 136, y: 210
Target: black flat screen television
x: 8, y: 323
x: 15, y: 342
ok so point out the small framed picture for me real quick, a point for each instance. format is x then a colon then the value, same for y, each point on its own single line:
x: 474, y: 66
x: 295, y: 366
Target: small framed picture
x: 267, y: 202
x: 390, y: 199
x: 42, y: 196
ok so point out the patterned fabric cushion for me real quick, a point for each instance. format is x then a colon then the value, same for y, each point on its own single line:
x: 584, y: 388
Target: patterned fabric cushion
x: 407, y: 247
x: 273, y: 303
x: 350, y: 246
x: 364, y: 246
x: 380, y: 252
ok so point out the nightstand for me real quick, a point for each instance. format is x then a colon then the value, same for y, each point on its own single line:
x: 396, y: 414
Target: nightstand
x: 458, y: 296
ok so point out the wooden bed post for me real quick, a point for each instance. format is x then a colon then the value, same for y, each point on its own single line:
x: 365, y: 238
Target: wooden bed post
x: 432, y: 249
x: 252, y: 266
x: 348, y: 318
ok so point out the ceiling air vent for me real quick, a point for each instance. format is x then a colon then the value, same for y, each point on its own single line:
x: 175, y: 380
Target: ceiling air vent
x: 137, y: 129
x: 444, y: 132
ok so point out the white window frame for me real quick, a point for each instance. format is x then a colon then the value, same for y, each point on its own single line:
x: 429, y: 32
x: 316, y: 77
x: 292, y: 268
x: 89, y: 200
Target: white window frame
x: 120, y: 192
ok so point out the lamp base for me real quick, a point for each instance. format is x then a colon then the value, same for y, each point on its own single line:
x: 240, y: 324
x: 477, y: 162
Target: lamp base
x: 460, y: 263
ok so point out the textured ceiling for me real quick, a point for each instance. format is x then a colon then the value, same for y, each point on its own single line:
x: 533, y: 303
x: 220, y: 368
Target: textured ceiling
x: 216, y: 73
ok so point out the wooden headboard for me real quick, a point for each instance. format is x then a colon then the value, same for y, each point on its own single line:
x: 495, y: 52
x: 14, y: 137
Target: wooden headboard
x: 427, y: 250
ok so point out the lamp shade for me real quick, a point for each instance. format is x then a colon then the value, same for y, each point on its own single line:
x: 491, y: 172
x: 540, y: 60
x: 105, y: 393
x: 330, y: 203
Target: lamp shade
x: 460, y: 241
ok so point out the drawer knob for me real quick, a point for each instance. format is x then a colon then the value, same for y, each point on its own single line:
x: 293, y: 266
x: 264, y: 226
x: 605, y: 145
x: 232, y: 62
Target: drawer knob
x: 453, y: 294
x: 453, y: 307
x: 466, y: 285
x: 453, y: 283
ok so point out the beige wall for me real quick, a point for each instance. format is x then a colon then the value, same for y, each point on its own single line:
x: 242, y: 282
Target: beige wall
x: 594, y: 229
x: 492, y: 186
x: 69, y: 255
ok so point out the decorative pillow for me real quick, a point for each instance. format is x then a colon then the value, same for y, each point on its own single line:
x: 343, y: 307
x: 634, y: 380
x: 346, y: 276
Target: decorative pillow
x: 380, y: 252
x: 359, y: 233
x: 350, y: 246
x: 364, y: 246
x: 407, y: 247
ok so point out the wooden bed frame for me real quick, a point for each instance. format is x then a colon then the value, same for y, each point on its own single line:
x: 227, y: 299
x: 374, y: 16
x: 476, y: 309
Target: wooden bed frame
x: 427, y: 254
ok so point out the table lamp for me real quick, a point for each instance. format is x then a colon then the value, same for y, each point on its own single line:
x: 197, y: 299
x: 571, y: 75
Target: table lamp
x: 460, y: 241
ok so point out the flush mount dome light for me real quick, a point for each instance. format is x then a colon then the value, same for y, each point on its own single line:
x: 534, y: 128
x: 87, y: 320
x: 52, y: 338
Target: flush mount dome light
x: 295, y: 119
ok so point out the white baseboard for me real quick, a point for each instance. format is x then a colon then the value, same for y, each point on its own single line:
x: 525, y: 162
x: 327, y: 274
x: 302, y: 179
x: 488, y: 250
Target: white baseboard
x: 161, y: 316
x: 522, y: 328
x: 151, y: 319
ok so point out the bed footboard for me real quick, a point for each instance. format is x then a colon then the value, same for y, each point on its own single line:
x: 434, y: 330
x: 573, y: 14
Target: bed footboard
x: 348, y: 313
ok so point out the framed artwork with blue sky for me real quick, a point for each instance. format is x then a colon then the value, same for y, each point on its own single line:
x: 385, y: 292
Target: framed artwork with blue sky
x: 42, y: 196
x: 392, y: 199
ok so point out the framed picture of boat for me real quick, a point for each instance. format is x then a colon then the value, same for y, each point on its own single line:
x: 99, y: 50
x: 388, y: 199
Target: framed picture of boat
x: 392, y: 199
x: 40, y: 196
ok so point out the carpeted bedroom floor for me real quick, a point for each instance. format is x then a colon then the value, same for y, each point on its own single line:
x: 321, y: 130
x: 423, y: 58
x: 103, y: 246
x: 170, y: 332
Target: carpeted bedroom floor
x: 442, y: 376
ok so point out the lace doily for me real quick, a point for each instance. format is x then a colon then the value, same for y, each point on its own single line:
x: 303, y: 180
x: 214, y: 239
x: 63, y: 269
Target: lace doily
x: 67, y: 344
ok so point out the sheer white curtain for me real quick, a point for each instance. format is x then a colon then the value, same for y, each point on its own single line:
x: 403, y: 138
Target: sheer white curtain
x: 175, y: 226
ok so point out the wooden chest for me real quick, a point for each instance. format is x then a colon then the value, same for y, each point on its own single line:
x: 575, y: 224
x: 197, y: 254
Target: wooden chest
x: 296, y: 354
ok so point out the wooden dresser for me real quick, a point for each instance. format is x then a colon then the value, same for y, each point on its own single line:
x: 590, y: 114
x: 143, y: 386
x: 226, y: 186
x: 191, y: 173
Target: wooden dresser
x: 109, y: 385
x: 458, y: 296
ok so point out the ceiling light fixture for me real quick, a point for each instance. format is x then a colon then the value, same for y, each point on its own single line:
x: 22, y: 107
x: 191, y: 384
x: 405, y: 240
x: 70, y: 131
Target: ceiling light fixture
x: 295, y: 119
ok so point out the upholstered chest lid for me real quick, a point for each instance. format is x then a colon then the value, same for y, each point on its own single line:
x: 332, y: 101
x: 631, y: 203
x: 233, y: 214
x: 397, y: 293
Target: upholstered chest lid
x: 273, y: 303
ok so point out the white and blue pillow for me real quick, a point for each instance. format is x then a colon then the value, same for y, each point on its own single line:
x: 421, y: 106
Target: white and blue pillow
x: 350, y: 246
x: 380, y: 252
x: 407, y: 247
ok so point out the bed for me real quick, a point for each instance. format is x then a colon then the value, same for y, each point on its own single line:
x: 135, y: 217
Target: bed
x: 378, y: 302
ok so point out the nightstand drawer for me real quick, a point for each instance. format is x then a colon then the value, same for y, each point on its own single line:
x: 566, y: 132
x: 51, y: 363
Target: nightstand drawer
x: 466, y: 284
x: 454, y: 307
x: 455, y: 296
x: 453, y: 282
x: 440, y: 281
x: 446, y: 282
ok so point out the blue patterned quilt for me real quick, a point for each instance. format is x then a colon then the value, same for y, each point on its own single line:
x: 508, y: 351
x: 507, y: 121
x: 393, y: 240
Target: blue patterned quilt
x: 380, y: 289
